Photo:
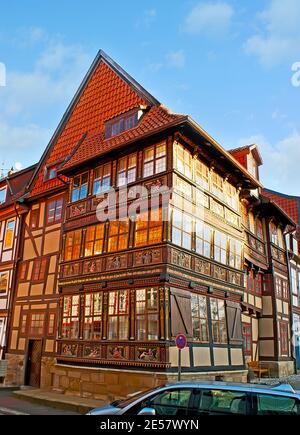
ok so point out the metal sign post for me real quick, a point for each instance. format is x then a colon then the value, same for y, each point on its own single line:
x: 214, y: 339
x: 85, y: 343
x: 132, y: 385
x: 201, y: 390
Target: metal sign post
x: 181, y: 342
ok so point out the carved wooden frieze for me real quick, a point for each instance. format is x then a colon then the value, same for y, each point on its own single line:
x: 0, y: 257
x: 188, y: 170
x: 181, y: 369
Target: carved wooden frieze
x: 92, y: 266
x: 181, y: 259
x: 92, y: 351
x: 235, y: 278
x: 116, y: 262
x: 202, y: 266
x: 219, y: 272
x: 117, y: 352
x: 72, y: 269
x: 70, y: 350
x: 150, y: 256
x: 78, y: 209
x: 146, y: 354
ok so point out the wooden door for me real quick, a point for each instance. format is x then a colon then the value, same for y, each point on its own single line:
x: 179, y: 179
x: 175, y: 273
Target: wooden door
x: 33, y: 372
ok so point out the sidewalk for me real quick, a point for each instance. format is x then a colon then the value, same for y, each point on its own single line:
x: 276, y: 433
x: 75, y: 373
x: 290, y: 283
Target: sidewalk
x: 293, y: 380
x: 56, y: 400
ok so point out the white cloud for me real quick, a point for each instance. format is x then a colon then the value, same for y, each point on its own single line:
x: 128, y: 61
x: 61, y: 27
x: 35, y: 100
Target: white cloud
x: 280, y: 170
x: 211, y: 19
x: 176, y: 59
x: 279, y: 39
x: 18, y: 166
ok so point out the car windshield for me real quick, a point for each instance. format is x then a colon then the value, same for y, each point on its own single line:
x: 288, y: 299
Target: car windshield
x: 123, y: 403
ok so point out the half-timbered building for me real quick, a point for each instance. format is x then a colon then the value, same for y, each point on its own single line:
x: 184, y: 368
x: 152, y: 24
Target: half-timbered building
x: 291, y: 205
x: 99, y: 301
x: 11, y: 217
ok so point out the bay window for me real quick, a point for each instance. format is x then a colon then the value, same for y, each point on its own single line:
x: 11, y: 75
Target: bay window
x: 235, y: 254
x: 118, y: 318
x: 92, y: 326
x: 220, y: 247
x: 203, y: 239
x: 94, y: 240
x: 155, y: 159
x: 201, y: 174
x: 70, y: 320
x: 148, y: 228
x: 217, y: 186
x: 182, y: 229
x: 72, y: 245
x: 183, y: 160
x: 147, y: 318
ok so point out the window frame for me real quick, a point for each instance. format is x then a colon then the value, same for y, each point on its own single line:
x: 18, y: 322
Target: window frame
x: 91, y: 315
x: 119, y: 235
x: 3, y: 273
x: 5, y: 246
x: 42, y: 263
x: 218, y: 322
x: 56, y: 220
x: 126, y: 169
x: 3, y: 189
x: 200, y: 318
x: 73, y: 246
x: 146, y: 313
x: 41, y: 320
x: 71, y: 318
x: 155, y: 159
x: 247, y: 338
x: 181, y: 229
x: 93, y: 240
x: 118, y: 315
x: 99, y: 175
x: 80, y: 187
x: 148, y: 228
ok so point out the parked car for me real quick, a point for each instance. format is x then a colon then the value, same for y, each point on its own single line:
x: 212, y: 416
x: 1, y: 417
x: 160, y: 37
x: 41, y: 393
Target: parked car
x: 208, y: 398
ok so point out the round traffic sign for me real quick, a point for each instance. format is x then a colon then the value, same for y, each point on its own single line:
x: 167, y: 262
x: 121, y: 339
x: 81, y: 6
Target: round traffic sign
x: 181, y: 341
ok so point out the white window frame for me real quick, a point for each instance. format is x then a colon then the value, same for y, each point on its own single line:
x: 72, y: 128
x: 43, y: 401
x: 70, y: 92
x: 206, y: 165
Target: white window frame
x: 3, y: 189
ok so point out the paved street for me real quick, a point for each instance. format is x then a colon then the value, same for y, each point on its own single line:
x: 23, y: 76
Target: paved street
x: 11, y: 405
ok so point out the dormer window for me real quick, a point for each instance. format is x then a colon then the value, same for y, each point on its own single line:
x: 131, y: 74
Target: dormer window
x: 122, y: 123
x: 51, y: 173
x: 3, y: 192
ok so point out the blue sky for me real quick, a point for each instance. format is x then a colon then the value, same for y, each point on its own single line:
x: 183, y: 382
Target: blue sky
x: 227, y: 63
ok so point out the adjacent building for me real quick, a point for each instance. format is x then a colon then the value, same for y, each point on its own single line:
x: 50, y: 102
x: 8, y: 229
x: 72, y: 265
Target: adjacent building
x: 291, y: 204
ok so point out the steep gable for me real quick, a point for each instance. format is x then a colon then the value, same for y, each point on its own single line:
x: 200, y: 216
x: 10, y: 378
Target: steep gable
x: 106, y: 92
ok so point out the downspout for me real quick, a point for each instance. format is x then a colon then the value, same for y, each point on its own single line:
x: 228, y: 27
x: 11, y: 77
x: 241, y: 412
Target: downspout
x: 291, y: 298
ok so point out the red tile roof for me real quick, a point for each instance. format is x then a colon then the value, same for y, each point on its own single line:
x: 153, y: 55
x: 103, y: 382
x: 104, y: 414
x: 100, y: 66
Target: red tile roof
x: 94, y: 145
x: 106, y: 94
x: 290, y: 204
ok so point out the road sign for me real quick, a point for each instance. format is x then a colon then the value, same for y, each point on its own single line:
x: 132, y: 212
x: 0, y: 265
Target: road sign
x: 181, y: 341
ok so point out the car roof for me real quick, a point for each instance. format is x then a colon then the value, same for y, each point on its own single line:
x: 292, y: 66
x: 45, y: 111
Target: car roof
x: 276, y: 388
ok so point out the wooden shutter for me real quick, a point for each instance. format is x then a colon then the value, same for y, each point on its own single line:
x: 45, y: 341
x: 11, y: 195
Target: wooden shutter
x: 234, y: 322
x: 181, y: 313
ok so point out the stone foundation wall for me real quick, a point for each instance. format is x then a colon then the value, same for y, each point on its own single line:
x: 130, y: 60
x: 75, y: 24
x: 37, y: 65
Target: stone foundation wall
x: 15, y: 369
x: 109, y: 384
x: 279, y: 369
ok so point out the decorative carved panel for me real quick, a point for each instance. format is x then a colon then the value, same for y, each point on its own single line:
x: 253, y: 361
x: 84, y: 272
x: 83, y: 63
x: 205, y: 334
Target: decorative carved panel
x: 202, y: 266
x: 116, y: 262
x: 69, y: 350
x: 219, y: 272
x: 151, y: 256
x: 117, y: 352
x: 71, y: 270
x: 181, y: 259
x: 92, y: 351
x: 92, y: 266
x: 78, y: 209
x: 147, y: 354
